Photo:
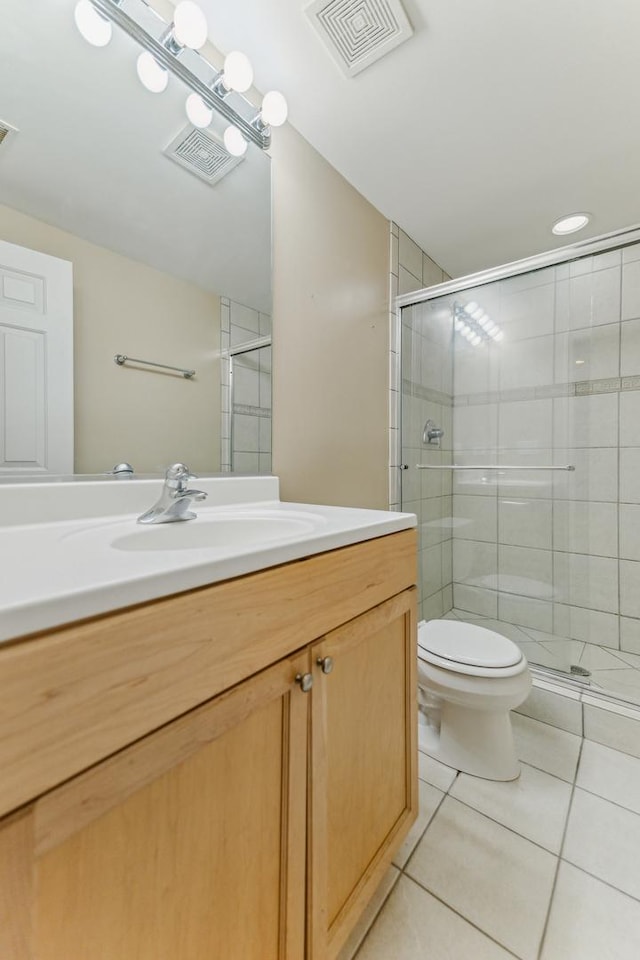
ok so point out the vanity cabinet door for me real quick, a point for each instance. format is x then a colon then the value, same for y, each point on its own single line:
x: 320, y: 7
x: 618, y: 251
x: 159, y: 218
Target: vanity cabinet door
x: 363, y: 788
x: 189, y: 844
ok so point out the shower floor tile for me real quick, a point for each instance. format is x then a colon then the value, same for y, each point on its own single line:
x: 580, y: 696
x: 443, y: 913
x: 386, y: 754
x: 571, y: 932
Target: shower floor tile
x: 476, y: 888
x: 611, y: 670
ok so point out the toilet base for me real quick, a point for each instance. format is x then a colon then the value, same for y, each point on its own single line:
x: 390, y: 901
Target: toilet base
x: 476, y: 742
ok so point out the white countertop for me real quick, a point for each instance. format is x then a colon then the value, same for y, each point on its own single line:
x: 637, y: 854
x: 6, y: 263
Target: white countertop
x: 72, y: 550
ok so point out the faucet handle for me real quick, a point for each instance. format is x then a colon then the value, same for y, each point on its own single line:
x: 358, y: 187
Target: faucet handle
x: 121, y: 470
x: 177, y: 470
x: 178, y: 474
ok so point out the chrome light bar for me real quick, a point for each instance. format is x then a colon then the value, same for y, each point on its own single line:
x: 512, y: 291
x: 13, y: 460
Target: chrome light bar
x: 130, y: 15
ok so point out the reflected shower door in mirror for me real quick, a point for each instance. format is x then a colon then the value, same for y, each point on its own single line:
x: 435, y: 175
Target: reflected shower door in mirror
x: 246, y: 390
x: 97, y: 171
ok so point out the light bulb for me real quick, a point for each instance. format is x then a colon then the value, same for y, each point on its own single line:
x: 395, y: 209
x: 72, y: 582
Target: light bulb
x: 457, y: 323
x: 95, y: 28
x: 475, y: 340
x: 499, y: 336
x: 477, y: 313
x: 238, y: 72
x: 491, y: 328
x: 152, y: 76
x: 494, y: 332
x: 470, y: 307
x: 190, y: 25
x: 485, y: 321
x: 274, y: 109
x: 199, y: 114
x: 234, y: 142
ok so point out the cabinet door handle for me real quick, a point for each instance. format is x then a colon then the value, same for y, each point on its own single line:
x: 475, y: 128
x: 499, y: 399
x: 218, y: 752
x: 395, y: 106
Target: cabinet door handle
x: 325, y: 664
x: 305, y: 680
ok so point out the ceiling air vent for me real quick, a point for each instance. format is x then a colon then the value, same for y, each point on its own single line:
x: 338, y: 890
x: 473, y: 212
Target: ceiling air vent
x: 5, y: 130
x: 359, y: 32
x: 202, y: 154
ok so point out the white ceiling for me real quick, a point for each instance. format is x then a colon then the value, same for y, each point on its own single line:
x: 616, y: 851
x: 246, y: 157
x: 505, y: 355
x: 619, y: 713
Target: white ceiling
x: 493, y: 120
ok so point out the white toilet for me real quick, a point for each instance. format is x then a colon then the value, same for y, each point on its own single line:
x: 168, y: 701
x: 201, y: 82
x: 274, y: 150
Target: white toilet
x: 469, y: 680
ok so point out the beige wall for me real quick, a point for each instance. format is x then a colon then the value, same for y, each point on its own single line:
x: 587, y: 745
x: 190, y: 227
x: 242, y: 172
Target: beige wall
x: 121, y: 306
x: 330, y: 333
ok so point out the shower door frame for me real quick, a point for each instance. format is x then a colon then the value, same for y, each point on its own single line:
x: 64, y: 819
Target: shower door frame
x: 549, y: 258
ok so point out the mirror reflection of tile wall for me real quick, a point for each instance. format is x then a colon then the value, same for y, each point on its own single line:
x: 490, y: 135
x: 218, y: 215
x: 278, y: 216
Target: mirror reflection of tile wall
x: 246, y: 419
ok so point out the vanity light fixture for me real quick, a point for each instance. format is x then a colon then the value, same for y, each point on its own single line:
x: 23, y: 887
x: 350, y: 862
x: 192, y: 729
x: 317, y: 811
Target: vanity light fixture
x: 570, y: 224
x: 234, y: 142
x: 474, y: 324
x: 172, y: 48
x: 189, y: 25
x: 237, y: 74
x: 151, y: 75
x: 95, y: 28
x: 199, y: 114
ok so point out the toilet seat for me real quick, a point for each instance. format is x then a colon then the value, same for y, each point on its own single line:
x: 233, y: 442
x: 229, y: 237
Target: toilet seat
x: 468, y: 648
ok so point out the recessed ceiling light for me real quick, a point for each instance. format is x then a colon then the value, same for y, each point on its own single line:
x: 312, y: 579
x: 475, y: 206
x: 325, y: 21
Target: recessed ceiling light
x: 570, y: 224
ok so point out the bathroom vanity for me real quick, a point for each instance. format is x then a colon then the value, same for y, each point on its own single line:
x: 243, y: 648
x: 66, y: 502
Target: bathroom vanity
x: 225, y: 771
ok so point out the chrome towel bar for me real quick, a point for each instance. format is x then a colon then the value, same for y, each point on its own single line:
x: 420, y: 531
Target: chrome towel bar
x: 121, y: 359
x: 485, y: 466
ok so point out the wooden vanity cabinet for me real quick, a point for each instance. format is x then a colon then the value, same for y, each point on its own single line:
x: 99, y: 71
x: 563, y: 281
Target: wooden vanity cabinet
x: 188, y: 844
x: 254, y: 826
x: 364, y: 780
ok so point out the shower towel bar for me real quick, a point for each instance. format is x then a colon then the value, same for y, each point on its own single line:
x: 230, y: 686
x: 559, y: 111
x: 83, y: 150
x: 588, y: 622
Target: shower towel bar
x: 121, y: 358
x: 485, y: 466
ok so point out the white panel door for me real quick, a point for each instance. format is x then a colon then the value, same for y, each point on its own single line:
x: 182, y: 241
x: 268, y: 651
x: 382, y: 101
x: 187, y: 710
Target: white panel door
x: 36, y: 362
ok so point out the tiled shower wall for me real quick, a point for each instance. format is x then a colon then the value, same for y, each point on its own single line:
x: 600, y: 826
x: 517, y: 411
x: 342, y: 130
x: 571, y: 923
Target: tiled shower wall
x: 557, y: 552
x: 421, y: 387
x: 248, y: 426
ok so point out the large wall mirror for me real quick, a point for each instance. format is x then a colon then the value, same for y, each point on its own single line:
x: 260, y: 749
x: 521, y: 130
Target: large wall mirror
x: 167, y: 266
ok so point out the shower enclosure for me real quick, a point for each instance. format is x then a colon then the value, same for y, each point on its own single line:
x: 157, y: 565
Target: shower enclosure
x: 520, y: 428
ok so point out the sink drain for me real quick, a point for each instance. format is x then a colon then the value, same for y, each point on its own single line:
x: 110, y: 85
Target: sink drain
x: 579, y: 671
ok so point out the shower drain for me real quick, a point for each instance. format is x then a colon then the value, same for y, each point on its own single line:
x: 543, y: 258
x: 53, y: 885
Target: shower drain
x: 579, y: 671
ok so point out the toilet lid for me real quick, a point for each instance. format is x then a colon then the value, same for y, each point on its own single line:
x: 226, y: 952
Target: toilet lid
x: 467, y: 643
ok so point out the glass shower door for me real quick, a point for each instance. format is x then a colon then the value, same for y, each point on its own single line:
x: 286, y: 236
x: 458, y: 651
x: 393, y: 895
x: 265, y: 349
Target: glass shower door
x: 528, y: 510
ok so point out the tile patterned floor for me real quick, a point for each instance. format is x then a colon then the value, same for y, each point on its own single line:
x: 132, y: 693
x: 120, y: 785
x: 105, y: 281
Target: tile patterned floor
x: 612, y: 671
x: 544, y: 868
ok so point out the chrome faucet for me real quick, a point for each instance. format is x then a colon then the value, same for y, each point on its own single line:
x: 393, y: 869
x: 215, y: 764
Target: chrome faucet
x: 175, y: 499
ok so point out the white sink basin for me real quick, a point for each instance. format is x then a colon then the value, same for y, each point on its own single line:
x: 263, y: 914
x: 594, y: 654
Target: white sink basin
x: 217, y: 531
x: 75, y: 550
x: 214, y: 532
